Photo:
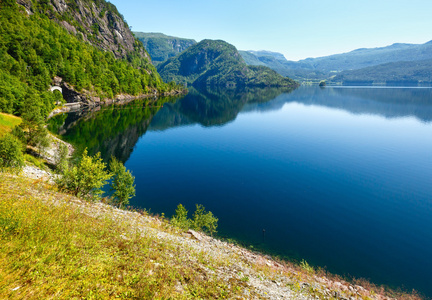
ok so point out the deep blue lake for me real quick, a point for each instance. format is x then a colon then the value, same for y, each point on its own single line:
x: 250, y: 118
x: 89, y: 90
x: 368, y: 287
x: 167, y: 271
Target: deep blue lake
x: 340, y: 176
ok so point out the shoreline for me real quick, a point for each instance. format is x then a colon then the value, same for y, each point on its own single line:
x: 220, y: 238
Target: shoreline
x: 118, y: 99
x: 263, y: 277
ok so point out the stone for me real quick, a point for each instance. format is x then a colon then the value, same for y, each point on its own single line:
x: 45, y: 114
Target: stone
x: 195, y: 234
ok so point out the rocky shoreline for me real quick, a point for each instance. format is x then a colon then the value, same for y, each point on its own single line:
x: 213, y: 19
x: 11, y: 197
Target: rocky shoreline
x: 264, y: 277
x: 81, y: 101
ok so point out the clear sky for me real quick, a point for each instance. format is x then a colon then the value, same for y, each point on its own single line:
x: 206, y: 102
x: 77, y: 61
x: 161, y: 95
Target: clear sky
x: 298, y: 29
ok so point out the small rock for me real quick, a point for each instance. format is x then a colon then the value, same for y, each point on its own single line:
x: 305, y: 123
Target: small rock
x: 305, y: 285
x: 195, y: 234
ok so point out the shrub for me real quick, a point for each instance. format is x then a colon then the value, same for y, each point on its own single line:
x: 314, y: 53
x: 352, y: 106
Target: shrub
x: 122, y: 183
x: 86, y: 178
x: 201, y: 220
x: 204, y: 221
x: 11, y: 155
x: 61, y: 158
x: 180, y: 218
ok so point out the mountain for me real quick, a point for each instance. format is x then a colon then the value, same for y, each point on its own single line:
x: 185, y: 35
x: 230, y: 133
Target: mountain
x: 83, y: 46
x: 161, y: 46
x: 327, y: 66
x: 367, y: 57
x: 413, y: 72
x: 217, y: 63
x: 96, y: 22
x: 277, y: 62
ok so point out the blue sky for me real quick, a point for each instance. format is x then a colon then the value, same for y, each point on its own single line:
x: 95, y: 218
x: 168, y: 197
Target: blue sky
x: 298, y: 29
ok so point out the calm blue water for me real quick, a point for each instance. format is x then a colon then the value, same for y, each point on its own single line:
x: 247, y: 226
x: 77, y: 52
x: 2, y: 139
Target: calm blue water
x: 340, y: 177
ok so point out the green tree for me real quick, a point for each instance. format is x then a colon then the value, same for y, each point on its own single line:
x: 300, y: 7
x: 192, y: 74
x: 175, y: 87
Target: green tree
x: 180, y: 218
x: 11, y: 155
x: 204, y: 221
x: 86, y: 178
x: 122, y: 183
x: 61, y: 158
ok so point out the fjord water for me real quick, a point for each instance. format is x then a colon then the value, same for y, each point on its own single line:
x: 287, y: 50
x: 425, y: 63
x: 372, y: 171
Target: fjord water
x: 340, y: 176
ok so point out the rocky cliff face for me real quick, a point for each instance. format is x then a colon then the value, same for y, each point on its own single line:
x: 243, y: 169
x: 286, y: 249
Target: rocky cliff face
x: 96, y: 22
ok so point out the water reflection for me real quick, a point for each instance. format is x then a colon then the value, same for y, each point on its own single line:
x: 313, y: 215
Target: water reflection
x: 113, y: 130
x: 212, y: 106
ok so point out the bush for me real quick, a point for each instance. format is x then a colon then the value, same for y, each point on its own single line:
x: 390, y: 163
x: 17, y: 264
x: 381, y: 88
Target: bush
x: 11, y: 155
x: 201, y: 220
x: 86, y: 178
x: 122, y: 183
x: 180, y: 219
x: 204, y: 221
x: 61, y: 158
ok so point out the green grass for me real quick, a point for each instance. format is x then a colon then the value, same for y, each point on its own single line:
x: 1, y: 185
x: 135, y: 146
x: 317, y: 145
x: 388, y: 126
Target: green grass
x: 57, y: 252
x: 7, y: 122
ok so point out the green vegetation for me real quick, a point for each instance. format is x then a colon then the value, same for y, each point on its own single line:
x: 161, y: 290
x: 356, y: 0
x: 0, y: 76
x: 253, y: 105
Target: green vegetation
x: 122, y: 183
x: 56, y: 251
x: 86, y: 178
x: 201, y: 220
x: 32, y: 130
x: 217, y: 63
x: 34, y: 49
x: 162, y: 47
x: 7, y: 123
x: 11, y: 155
x: 122, y: 126
x: 62, y: 163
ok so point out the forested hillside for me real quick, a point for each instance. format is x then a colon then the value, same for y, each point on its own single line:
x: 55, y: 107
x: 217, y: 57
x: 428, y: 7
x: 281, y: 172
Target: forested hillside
x: 34, y: 48
x: 217, y: 63
x: 161, y: 46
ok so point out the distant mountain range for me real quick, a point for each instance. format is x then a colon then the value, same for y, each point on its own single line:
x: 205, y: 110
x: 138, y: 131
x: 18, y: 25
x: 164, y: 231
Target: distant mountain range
x: 394, y: 63
x: 217, y: 63
x: 397, y: 63
x: 394, y: 73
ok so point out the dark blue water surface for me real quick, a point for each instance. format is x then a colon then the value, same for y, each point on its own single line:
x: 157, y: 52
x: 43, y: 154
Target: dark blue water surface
x: 340, y: 177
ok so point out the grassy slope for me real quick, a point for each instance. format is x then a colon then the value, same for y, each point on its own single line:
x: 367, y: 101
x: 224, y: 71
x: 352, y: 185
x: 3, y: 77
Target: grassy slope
x: 7, y: 122
x: 57, y: 251
x: 56, y: 246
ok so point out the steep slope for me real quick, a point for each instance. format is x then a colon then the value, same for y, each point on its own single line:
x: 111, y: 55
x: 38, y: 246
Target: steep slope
x: 162, y: 47
x: 37, y: 52
x: 217, y: 63
x: 96, y: 22
x: 413, y: 72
